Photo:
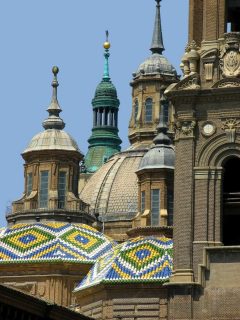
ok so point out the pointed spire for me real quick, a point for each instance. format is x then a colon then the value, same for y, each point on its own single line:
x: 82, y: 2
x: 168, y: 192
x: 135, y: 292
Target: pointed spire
x: 157, y: 40
x: 54, y: 121
x: 162, y: 137
x: 106, y: 46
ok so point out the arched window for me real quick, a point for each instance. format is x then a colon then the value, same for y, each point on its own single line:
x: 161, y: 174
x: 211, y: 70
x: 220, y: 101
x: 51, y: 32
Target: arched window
x: 170, y: 207
x: 165, y: 113
x: 231, y: 202
x: 148, y: 110
x: 155, y: 207
x: 232, y: 15
x: 29, y: 183
x: 62, y: 176
x: 135, y: 110
x: 143, y: 201
x: 43, y: 192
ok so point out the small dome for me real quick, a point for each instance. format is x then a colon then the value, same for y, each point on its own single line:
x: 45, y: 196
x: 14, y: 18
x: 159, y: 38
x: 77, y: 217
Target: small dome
x: 143, y: 259
x: 55, y: 241
x: 52, y: 139
x: 160, y: 156
x: 156, y: 64
x: 105, y: 88
x: 106, y: 95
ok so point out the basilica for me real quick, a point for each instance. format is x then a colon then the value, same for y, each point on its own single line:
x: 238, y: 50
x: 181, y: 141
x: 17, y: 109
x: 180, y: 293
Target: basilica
x: 146, y: 233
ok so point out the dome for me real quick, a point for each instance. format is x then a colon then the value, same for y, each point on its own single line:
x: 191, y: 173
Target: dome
x: 143, y: 259
x: 105, y: 95
x: 107, y: 192
x: 156, y: 64
x: 52, y: 139
x: 160, y: 156
x: 106, y: 88
x: 49, y: 242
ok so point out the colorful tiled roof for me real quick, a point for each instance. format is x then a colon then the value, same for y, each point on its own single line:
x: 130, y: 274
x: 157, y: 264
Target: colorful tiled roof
x: 143, y: 259
x: 46, y: 242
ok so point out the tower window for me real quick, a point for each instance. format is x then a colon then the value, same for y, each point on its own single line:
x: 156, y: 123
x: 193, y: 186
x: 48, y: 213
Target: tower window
x: 155, y: 207
x: 165, y: 113
x: 135, y: 111
x: 142, y: 201
x: 61, y: 189
x: 29, y: 183
x: 148, y: 110
x: 170, y: 207
x: 232, y: 15
x: 43, y: 192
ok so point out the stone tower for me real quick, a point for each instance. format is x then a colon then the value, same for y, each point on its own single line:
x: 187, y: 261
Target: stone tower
x: 152, y: 77
x: 104, y: 141
x: 51, y: 172
x: 206, y: 187
x: 155, y: 180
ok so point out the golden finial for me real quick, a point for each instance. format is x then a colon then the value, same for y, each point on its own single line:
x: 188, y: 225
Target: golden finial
x: 107, y: 44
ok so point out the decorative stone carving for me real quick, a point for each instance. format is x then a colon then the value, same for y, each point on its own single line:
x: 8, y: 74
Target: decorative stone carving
x: 41, y: 289
x: 190, y: 59
x: 227, y: 83
x: 231, y: 126
x: 230, y: 55
x: 208, y: 128
x: 191, y: 84
x: 208, y: 60
x: 193, y: 57
x: 184, y: 128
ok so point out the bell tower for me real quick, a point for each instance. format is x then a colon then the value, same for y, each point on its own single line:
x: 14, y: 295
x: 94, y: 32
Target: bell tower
x: 207, y: 142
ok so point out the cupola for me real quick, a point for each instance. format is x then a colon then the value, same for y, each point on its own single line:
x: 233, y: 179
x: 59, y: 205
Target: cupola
x: 152, y: 77
x: 51, y: 172
x: 104, y: 141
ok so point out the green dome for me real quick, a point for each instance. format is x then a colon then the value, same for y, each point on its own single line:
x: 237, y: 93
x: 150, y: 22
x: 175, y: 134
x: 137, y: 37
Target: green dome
x: 106, y: 88
x: 105, y: 95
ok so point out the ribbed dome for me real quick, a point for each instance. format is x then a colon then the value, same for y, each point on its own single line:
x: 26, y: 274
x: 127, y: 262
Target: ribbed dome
x: 106, y: 88
x: 112, y: 191
x: 55, y: 241
x: 160, y: 156
x: 52, y: 139
x: 105, y: 95
x: 156, y: 64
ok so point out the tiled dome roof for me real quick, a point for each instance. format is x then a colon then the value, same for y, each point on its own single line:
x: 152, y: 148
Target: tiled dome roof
x: 112, y: 191
x: 49, y: 242
x: 52, y: 139
x: 160, y: 156
x: 143, y: 259
x: 156, y: 64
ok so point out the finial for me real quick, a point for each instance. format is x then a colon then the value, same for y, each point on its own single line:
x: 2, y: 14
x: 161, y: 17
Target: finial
x: 157, y: 40
x: 54, y: 121
x: 106, y: 46
x: 162, y: 137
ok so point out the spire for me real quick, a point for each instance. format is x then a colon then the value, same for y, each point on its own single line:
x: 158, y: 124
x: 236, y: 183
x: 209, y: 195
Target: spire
x: 104, y: 140
x: 54, y: 121
x: 106, y: 46
x: 157, y: 40
x: 162, y: 137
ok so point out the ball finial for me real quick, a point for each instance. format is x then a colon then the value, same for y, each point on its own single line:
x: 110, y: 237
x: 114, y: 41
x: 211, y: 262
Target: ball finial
x: 106, y: 45
x: 55, y: 70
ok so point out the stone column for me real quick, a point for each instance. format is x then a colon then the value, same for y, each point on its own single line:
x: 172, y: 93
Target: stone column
x: 183, y: 203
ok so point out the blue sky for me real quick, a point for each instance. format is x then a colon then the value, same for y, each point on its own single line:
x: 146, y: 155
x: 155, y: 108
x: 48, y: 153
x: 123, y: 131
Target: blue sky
x: 35, y: 35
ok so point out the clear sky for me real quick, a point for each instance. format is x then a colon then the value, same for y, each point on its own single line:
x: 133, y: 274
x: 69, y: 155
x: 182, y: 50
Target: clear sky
x: 35, y: 35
